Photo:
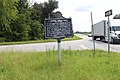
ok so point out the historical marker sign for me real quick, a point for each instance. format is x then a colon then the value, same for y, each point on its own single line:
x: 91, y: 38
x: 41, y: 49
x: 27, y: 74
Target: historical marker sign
x: 108, y: 13
x: 58, y: 27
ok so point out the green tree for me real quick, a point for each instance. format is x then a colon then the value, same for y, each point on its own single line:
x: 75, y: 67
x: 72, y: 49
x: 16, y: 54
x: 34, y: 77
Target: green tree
x: 19, y: 21
x: 21, y: 26
x: 8, y: 13
x: 47, y: 9
x: 37, y: 29
x: 38, y: 14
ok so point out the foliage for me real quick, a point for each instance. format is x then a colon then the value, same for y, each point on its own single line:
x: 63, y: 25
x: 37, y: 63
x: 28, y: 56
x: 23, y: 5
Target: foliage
x: 8, y: 13
x: 36, y: 12
x: 75, y: 65
x: 21, y: 22
x: 36, y: 31
x: 47, y: 9
x: 21, y: 27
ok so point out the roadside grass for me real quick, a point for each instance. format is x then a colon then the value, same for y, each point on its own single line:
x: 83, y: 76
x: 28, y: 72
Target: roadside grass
x: 39, y: 41
x: 75, y: 65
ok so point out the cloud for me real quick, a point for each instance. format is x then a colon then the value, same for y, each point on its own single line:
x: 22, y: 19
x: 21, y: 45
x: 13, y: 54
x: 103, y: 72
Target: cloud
x: 83, y: 8
x: 79, y: 11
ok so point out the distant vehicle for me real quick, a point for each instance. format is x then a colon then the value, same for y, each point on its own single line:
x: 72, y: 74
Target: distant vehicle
x: 89, y: 35
x: 101, y: 31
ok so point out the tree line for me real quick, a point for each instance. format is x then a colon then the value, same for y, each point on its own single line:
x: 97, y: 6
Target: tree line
x: 20, y: 21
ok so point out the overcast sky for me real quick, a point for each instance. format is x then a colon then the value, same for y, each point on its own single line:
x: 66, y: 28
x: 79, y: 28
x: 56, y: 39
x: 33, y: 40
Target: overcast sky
x: 79, y: 11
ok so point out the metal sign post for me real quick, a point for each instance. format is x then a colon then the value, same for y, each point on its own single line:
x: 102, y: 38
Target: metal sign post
x: 107, y: 14
x: 93, y: 34
x: 108, y: 37
x: 59, y: 50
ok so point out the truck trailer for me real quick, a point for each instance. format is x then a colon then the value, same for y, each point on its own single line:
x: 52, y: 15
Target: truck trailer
x: 101, y: 31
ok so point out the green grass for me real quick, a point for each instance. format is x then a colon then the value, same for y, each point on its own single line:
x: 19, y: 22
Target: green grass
x: 39, y: 41
x: 75, y: 65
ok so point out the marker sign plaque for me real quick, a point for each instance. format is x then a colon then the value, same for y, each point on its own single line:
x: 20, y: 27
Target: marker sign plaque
x: 58, y: 28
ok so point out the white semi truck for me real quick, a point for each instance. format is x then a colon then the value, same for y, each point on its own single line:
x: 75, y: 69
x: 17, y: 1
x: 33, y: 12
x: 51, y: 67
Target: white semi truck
x: 101, y: 31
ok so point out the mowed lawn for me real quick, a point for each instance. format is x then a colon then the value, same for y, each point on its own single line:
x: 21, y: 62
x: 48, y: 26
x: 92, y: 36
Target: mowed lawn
x: 75, y: 65
x: 40, y: 41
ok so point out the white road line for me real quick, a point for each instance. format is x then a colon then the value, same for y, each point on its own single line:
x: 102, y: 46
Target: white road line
x: 83, y: 47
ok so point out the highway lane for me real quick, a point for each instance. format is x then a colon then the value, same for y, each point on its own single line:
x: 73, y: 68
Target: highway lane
x: 73, y: 45
x: 85, y: 43
x: 37, y: 47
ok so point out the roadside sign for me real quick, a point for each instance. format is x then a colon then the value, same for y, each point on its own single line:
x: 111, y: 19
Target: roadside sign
x: 108, y: 13
x: 58, y: 27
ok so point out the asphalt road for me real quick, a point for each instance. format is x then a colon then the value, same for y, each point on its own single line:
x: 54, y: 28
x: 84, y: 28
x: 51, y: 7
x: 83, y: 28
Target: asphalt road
x: 85, y: 43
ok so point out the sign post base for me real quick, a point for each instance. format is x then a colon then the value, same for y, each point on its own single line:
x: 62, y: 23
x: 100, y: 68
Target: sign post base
x: 59, y: 50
